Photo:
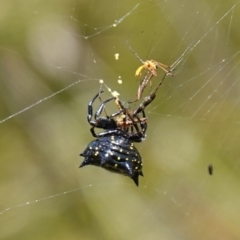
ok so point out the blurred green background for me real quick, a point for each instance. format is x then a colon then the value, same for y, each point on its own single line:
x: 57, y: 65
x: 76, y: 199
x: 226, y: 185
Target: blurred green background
x: 45, y: 46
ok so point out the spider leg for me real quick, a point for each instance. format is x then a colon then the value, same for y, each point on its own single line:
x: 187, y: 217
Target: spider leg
x: 167, y: 69
x: 100, y: 122
x: 143, y: 83
x: 101, y: 107
x: 147, y: 78
x: 90, y: 108
x: 160, y: 83
x: 138, y: 136
x: 109, y: 132
x: 143, y: 124
x: 93, y: 132
x: 147, y: 100
x: 115, y: 114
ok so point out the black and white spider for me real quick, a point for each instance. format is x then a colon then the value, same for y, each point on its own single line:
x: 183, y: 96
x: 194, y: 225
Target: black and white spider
x: 113, y: 149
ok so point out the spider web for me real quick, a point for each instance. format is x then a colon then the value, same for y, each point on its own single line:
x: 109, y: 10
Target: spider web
x: 53, y: 54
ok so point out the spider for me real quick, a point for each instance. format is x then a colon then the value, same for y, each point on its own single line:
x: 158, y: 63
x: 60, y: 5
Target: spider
x: 113, y: 149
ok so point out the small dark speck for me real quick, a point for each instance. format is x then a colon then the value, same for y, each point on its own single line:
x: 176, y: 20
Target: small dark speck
x: 210, y: 169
